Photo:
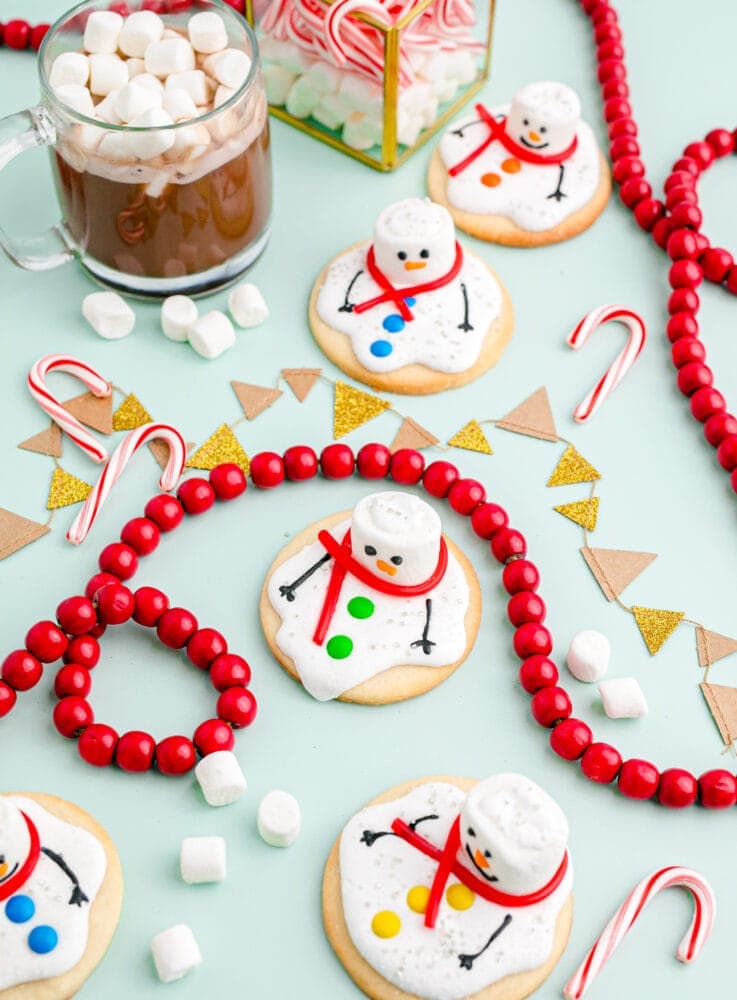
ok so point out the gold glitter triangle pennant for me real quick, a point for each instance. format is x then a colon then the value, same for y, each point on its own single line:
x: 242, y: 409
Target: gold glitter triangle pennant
x: 412, y: 435
x: 16, y: 532
x: 130, y: 414
x: 353, y: 407
x: 583, y: 512
x: 472, y: 438
x: 532, y: 417
x: 46, y: 442
x: 615, y: 569
x: 656, y: 625
x: 713, y: 646
x: 254, y: 399
x: 222, y: 446
x: 301, y: 380
x: 722, y: 702
x: 92, y: 411
x: 572, y: 468
x: 66, y: 489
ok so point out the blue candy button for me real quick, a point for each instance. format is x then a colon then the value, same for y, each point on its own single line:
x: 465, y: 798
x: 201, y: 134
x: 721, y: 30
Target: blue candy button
x: 381, y: 348
x: 19, y: 909
x: 42, y: 940
x: 393, y: 323
x: 410, y: 301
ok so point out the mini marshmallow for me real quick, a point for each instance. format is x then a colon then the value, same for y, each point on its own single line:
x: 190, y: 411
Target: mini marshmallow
x: 69, y: 68
x: 220, y: 777
x: 408, y: 129
x: 135, y: 67
x: 324, y: 77
x: 445, y: 90
x: 247, y: 305
x: 102, y: 30
x: 436, y: 67
x: 116, y: 147
x: 222, y: 94
x: 77, y: 98
x: 302, y: 98
x: 178, y: 313
x: 279, y: 818
x: 202, y: 859
x: 359, y: 132
x: 133, y: 100
x: 207, y: 32
x: 193, y: 81
x: 278, y: 82
x: 622, y: 698
x: 139, y: 31
x: 330, y: 112
x: 429, y: 114
x: 106, y: 110
x: 179, y: 104
x: 588, y: 655
x: 108, y: 315
x: 190, y: 141
x: 293, y: 58
x: 170, y: 55
x: 147, y: 145
x: 151, y: 81
x: 462, y: 66
x: 230, y: 67
x: 211, y: 335
x: 360, y: 94
x: 175, y: 952
x: 107, y: 72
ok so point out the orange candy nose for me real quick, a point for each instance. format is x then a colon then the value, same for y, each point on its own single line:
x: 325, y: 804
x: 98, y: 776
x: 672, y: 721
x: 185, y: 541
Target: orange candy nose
x: 414, y: 265
x: 533, y: 136
x: 386, y: 567
x: 480, y: 860
x: 490, y: 180
x: 3, y: 870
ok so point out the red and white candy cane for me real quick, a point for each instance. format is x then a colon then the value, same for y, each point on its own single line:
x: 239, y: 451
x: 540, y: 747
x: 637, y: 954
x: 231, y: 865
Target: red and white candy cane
x: 688, y: 950
x: 118, y: 461
x: 96, y: 384
x: 620, y: 366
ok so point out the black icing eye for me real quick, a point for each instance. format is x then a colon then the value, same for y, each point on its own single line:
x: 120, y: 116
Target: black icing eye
x: 543, y: 129
x: 402, y: 255
x: 470, y: 832
x: 424, y: 254
x: 487, y: 854
x: 370, y: 550
x: 525, y: 121
x: 397, y: 560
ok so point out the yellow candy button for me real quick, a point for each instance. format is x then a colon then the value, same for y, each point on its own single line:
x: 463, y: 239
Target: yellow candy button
x: 386, y: 924
x: 417, y: 898
x: 459, y: 896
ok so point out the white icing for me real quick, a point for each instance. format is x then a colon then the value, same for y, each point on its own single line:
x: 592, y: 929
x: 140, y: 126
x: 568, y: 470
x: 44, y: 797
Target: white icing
x: 50, y: 889
x: 421, y: 961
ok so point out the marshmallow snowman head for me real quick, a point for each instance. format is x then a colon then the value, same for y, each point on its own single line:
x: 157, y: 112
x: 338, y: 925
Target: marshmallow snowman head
x: 513, y: 835
x: 15, y: 840
x: 396, y: 536
x: 414, y: 241
x: 544, y: 116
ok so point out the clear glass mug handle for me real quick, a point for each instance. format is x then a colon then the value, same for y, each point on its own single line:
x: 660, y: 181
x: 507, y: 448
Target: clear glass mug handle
x: 19, y: 132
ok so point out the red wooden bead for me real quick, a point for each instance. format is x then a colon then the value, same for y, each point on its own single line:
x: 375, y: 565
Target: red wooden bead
x: 72, y: 679
x: 532, y: 638
x: 98, y: 630
x: 337, y: 461
x: 686, y: 215
x: 588, y: 5
x: 634, y: 190
x: 237, y: 706
x: 17, y: 34
x: 228, y: 480
x: 8, y: 698
x: 687, y: 349
x: 407, y: 466
x: 702, y: 245
x: 84, y: 650
x: 601, y: 763
x: 682, y: 324
x: 661, y: 231
x: 628, y: 166
x: 688, y: 164
x: 732, y: 280
x: 97, y: 744
x: 438, y: 478
x: 465, y: 495
x: 175, y: 627
x: 610, y: 50
x: 616, y: 107
x: 300, y: 462
x: 142, y: 534
x: 727, y: 452
x: 638, y: 779
x: 611, y: 69
x: 615, y: 87
x: 46, y: 641
x: 229, y: 670
x: 685, y: 274
x: 683, y: 300
x: 507, y: 543
x: 717, y: 789
x: 622, y: 127
x: 97, y: 582
x: 693, y: 376
x: 647, y: 213
x: 164, y: 511
x: 21, y: 670
x: 175, y: 755
x: 267, y: 470
x: 721, y: 141
x: 213, y: 735
x: 602, y: 13
x: 679, y: 178
x: 718, y: 427
x: 624, y: 145
x: 204, y: 646
x: 607, y: 32
x: 702, y: 152
x: 677, y: 788
x: 520, y: 574
x: 682, y: 243
x: 38, y: 33
x: 716, y: 264
x: 525, y: 606
x: 706, y: 402
x: 550, y: 705
x: 196, y: 495
x: 118, y: 559
x: 115, y: 604
x: 570, y: 739
x: 681, y: 195
x: 537, y: 672
x: 72, y: 715
x: 135, y: 751
x: 488, y: 518
x: 149, y: 605
x: 76, y: 615
x: 373, y: 461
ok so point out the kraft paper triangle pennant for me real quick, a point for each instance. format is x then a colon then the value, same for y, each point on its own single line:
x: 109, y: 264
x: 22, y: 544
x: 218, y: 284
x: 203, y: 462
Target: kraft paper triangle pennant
x: 160, y: 451
x: 573, y: 468
x: 222, y: 446
x: 472, y: 438
x: 722, y: 702
x: 46, y: 442
x: 130, y: 414
x: 301, y: 380
x: 583, y: 512
x: 615, y: 569
x: 656, y: 625
x: 92, y: 411
x: 412, y: 435
x: 16, y: 532
x: 532, y: 417
x: 66, y: 489
x: 354, y: 407
x: 254, y: 399
x: 713, y: 646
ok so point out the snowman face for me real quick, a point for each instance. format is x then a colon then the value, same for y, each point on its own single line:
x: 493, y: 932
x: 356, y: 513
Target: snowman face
x: 15, y: 840
x: 544, y: 117
x: 414, y: 241
x: 396, y: 536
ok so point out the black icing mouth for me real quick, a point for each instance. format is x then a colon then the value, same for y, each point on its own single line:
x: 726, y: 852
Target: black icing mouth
x: 10, y: 874
x: 543, y: 145
x: 482, y: 873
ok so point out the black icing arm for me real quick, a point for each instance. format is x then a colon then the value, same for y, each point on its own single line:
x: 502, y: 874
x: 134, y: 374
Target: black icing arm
x: 369, y: 837
x: 558, y: 193
x: 465, y: 325
x: 347, y: 304
x: 287, y: 589
x: 78, y: 897
x: 468, y: 960
x: 425, y: 642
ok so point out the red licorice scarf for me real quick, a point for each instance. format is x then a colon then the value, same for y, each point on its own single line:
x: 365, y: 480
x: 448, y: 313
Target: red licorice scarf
x: 397, y: 295
x: 19, y: 879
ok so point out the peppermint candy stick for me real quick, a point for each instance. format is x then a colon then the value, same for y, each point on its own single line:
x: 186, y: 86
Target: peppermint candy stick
x: 621, y: 364
x: 87, y: 375
x: 118, y: 461
x: 688, y: 950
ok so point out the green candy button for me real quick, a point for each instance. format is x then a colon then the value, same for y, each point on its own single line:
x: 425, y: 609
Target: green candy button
x: 360, y: 607
x: 339, y: 647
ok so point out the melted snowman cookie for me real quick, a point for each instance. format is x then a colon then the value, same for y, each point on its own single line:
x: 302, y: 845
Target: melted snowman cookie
x: 526, y: 174
x: 413, y: 311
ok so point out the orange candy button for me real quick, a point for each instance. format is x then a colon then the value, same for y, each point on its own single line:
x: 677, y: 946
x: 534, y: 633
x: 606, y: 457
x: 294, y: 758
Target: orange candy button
x: 511, y: 166
x: 490, y: 180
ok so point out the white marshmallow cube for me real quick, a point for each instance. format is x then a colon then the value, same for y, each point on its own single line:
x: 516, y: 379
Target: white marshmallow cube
x: 331, y: 115
x: 230, y: 67
x: 302, y: 98
x: 360, y: 132
x: 102, y: 31
x: 107, y: 72
x: 179, y: 104
x: 359, y: 94
x: 279, y: 818
x: 193, y: 81
x: 149, y: 144
x: 622, y: 698
x: 135, y: 67
x: 278, y: 82
x: 116, y: 147
x: 77, y: 98
x: 189, y: 141
x: 133, y: 100
x: 175, y: 952
x: 445, y: 90
x: 324, y: 77
x: 222, y: 94
x: 207, y: 32
x: 202, y: 859
x: 293, y: 58
x: 247, y: 305
x: 151, y: 81
x: 220, y: 777
x: 108, y: 314
x: 408, y: 129
x: 140, y: 30
x: 106, y: 110
x: 170, y: 55
x: 588, y: 655
x: 211, y: 335
x: 69, y: 67
x: 178, y: 313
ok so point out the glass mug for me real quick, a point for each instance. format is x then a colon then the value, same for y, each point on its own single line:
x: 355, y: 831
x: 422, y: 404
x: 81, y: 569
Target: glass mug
x: 183, y: 208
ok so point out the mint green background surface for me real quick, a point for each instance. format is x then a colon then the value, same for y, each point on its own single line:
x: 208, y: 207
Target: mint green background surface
x: 260, y: 932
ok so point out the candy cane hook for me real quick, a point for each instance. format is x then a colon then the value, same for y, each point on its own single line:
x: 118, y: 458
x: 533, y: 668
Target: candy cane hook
x: 96, y: 384
x: 620, y: 366
x: 688, y: 950
x: 118, y: 461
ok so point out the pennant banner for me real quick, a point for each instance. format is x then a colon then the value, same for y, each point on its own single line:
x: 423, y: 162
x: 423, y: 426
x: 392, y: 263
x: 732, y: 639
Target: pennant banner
x: 656, y: 625
x: 712, y: 646
x: 353, y: 407
x: 412, y: 435
x: 130, y: 414
x: 722, y: 702
x: 254, y: 399
x: 301, y: 380
x: 532, y: 417
x: 222, y: 446
x: 91, y: 411
x: 160, y: 451
x: 66, y: 489
x: 46, y: 442
x: 472, y: 438
x: 573, y: 468
x: 615, y: 569
x: 583, y: 512
x: 17, y: 532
